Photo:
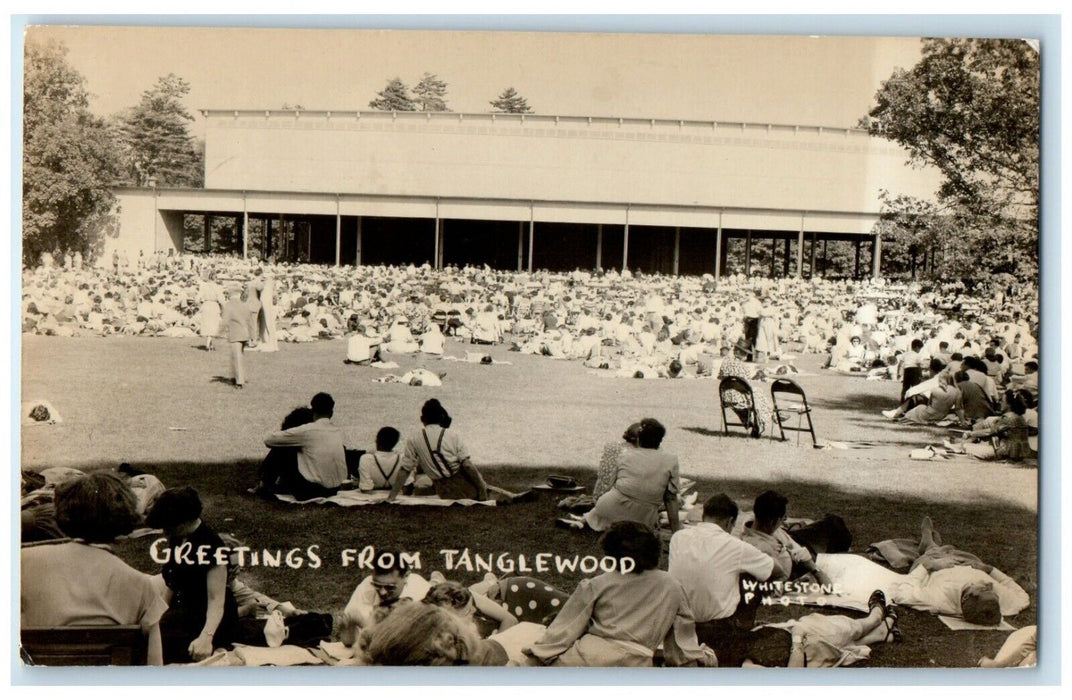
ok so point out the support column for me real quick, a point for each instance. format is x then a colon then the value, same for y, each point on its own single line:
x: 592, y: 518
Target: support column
x: 358, y: 256
x: 811, y: 260
x: 285, y: 238
x: 748, y: 253
x: 876, y: 257
x: 720, y: 251
x: 520, y: 245
x: 677, y: 248
x: 435, y: 252
x: 800, y: 250
x: 245, y: 229
x: 856, y: 274
x: 599, y: 246
x: 267, y: 229
x: 532, y: 235
x: 207, y: 222
x: 625, y: 242
x: 338, y: 234
x: 308, y: 242
x: 823, y: 270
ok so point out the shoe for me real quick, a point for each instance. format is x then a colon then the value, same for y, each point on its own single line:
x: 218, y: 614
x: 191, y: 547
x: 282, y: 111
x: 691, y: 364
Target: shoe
x: 892, y: 629
x: 526, y: 496
x: 878, y: 599
x: 570, y: 524
x: 954, y: 448
x: 891, y: 414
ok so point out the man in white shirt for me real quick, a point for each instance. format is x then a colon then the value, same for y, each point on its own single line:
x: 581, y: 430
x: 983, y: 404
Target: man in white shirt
x: 379, y: 593
x: 709, y: 562
x: 321, y: 453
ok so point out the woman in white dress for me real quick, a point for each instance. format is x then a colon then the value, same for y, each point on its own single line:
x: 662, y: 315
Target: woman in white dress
x: 210, y: 296
x: 269, y: 339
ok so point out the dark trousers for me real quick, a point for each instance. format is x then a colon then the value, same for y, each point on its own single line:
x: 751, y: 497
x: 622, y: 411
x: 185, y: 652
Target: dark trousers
x: 909, y: 378
x: 729, y: 636
x: 279, y: 474
x: 751, y: 336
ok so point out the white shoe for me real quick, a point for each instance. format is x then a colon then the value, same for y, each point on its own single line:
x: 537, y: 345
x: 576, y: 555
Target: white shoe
x: 891, y: 414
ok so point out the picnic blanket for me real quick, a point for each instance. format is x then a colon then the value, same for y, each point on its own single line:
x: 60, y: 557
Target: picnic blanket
x: 959, y: 623
x: 855, y: 578
x: 360, y: 498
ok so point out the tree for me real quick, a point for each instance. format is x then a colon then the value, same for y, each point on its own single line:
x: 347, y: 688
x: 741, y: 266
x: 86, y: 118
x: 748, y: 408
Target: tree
x: 394, y: 98
x: 429, y: 94
x: 68, y: 160
x: 158, y: 145
x: 510, y: 102
x: 970, y: 108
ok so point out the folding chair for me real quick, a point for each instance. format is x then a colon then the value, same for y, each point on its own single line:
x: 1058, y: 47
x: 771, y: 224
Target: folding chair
x: 799, y: 406
x: 751, y: 422
x: 106, y: 645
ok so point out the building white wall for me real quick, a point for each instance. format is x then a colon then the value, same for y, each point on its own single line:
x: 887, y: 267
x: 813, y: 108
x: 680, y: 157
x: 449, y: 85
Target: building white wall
x: 560, y: 159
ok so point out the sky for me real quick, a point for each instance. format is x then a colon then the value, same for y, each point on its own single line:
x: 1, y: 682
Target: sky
x: 817, y: 81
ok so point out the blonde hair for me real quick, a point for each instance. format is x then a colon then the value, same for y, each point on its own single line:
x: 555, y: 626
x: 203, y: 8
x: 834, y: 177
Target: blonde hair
x: 418, y: 634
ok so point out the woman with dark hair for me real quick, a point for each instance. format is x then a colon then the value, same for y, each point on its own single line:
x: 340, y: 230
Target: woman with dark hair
x: 203, y: 614
x: 443, y: 458
x: 646, y: 480
x: 281, y: 462
x: 80, y: 582
x: 998, y: 438
x: 611, y: 460
x: 620, y: 617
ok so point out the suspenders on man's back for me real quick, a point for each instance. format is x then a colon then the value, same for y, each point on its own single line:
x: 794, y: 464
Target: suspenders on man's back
x: 439, y: 462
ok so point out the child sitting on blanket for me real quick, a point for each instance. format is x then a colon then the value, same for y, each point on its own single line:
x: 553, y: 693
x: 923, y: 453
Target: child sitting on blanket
x: 377, y: 470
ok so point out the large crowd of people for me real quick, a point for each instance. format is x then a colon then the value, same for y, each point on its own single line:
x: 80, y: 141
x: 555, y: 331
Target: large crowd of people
x: 965, y: 361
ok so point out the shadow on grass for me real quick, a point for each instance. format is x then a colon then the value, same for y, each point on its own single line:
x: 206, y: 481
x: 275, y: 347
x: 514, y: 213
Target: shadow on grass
x: 1002, y: 535
x: 854, y: 402
x: 707, y: 432
x: 218, y: 379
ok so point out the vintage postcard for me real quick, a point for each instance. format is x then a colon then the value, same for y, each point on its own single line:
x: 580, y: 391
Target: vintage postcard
x: 355, y: 347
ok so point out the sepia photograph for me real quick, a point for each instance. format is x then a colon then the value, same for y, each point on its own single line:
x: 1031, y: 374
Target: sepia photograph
x: 740, y: 332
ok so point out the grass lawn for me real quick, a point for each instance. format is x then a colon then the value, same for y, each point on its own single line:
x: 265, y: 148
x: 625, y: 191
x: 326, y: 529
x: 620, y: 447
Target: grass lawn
x: 155, y: 403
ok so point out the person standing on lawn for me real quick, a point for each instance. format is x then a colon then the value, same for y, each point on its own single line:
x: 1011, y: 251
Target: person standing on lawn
x: 235, y: 323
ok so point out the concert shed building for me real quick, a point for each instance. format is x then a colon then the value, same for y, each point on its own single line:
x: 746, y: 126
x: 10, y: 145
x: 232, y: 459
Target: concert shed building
x: 523, y: 192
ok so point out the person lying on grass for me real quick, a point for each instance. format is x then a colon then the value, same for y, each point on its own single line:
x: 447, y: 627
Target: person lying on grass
x: 443, y: 457
x: 823, y: 641
x: 391, y: 583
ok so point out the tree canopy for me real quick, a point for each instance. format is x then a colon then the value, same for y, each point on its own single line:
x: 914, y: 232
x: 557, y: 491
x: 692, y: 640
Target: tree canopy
x: 510, y: 102
x: 970, y: 108
x: 68, y: 159
x: 156, y: 137
x: 394, y: 97
x: 429, y: 93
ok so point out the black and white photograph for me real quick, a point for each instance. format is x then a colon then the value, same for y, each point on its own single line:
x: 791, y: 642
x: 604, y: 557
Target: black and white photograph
x: 393, y: 347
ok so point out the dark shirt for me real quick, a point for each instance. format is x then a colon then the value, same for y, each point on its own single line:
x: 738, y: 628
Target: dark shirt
x: 973, y: 401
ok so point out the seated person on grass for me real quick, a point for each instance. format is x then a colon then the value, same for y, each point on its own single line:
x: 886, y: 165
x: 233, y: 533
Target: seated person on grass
x: 999, y: 438
x: 377, y: 470
x: 321, y: 464
x: 767, y: 534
